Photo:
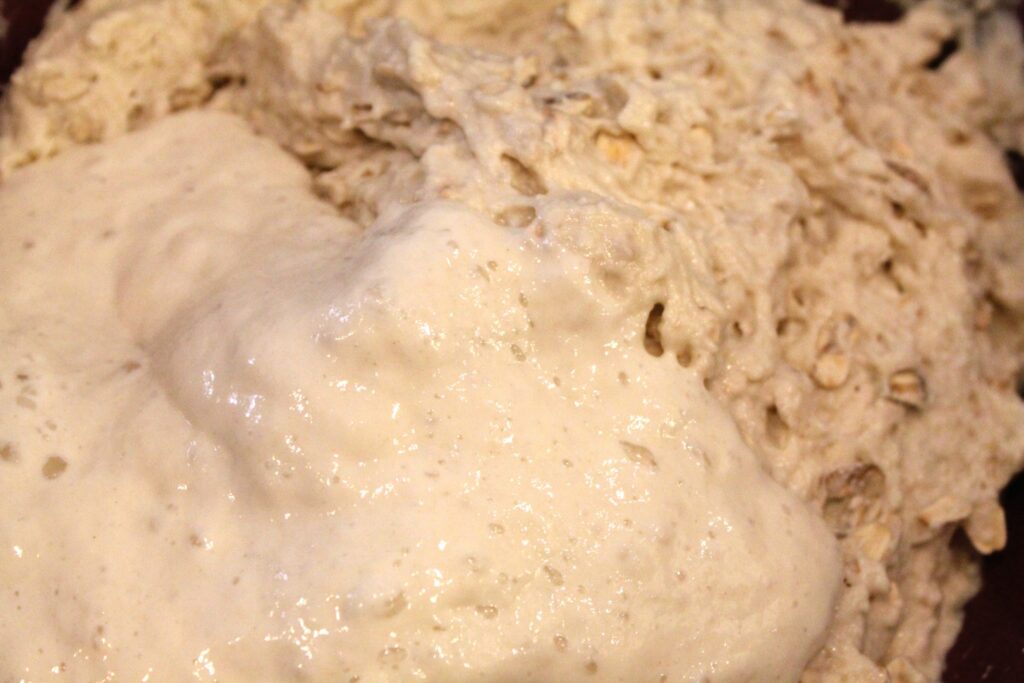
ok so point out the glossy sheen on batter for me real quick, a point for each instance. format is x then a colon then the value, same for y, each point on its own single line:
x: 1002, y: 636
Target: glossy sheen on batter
x: 247, y: 441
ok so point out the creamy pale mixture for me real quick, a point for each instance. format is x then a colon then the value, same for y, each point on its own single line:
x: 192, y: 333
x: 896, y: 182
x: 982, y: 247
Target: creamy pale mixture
x: 363, y: 341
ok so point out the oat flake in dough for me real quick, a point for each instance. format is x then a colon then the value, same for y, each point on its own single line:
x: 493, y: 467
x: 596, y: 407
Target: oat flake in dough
x: 803, y: 217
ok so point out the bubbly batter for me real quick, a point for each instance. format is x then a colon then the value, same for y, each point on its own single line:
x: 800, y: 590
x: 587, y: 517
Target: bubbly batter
x: 503, y: 342
x: 437, y: 450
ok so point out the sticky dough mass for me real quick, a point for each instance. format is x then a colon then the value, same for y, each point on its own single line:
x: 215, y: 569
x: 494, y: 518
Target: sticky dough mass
x: 503, y: 341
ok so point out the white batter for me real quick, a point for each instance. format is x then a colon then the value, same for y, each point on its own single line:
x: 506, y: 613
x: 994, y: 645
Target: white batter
x: 436, y: 450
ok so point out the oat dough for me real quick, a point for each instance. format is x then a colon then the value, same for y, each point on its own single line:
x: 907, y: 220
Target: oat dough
x: 396, y: 340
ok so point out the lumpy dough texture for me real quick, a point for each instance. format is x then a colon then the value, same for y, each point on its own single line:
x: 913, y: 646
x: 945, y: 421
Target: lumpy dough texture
x: 477, y: 379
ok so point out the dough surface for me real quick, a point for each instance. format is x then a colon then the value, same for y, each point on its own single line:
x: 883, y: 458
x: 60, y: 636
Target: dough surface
x: 408, y: 340
x: 277, y: 447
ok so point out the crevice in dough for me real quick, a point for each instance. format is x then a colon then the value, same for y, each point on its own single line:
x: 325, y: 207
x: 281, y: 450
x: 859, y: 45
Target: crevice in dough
x: 652, y: 330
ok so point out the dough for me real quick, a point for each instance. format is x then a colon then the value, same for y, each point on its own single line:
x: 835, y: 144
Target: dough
x: 525, y: 341
x: 278, y: 448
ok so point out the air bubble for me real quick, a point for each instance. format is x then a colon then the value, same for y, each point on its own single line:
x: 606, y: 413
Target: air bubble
x: 8, y: 453
x: 554, y: 575
x: 487, y: 611
x: 54, y: 467
x: 639, y: 454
